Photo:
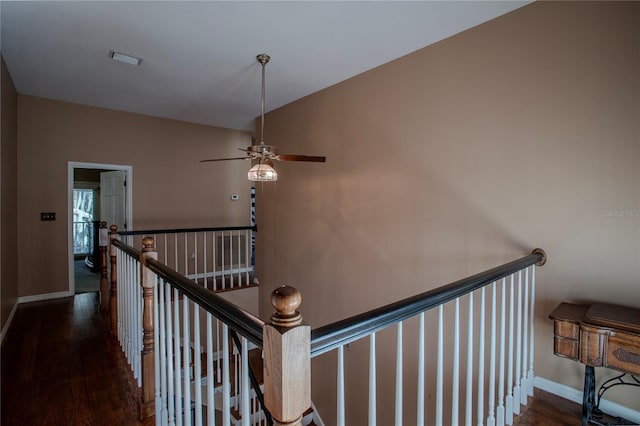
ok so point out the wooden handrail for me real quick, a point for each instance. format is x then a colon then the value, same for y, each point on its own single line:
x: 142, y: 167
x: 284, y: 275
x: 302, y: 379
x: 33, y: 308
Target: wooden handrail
x: 331, y: 336
x: 179, y: 230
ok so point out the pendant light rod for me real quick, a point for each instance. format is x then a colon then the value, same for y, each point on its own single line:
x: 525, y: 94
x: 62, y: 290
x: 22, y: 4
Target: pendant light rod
x: 263, y: 59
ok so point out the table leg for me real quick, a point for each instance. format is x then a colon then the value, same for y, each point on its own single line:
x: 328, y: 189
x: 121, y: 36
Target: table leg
x: 588, y: 396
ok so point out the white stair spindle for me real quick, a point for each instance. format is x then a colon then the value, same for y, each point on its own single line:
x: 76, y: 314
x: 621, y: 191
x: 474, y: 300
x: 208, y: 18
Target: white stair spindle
x: 439, y: 384
x: 214, y: 260
x: 162, y: 307
x: 170, y: 366
x: 455, y: 380
x: 469, y: 387
x: 247, y: 255
x: 204, y: 259
x: 500, y: 409
x: 157, y: 351
x: 372, y: 379
x: 197, y: 365
x: 211, y: 412
x: 517, y: 368
x: 177, y: 356
x: 238, y: 257
x: 525, y: 339
x: 186, y: 256
x: 186, y: 373
x: 231, y: 277
x: 481, y: 341
x: 420, y: 402
x: 222, y: 262
x: 226, y: 382
x: 246, y: 409
x: 399, y: 376
x: 491, y: 419
x: 340, y: 421
x: 508, y: 413
x: 531, y: 330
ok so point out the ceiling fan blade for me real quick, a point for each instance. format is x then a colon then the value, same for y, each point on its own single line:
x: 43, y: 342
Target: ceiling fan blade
x: 287, y: 157
x: 225, y: 159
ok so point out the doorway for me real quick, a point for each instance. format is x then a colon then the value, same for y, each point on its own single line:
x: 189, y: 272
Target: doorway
x: 97, y: 192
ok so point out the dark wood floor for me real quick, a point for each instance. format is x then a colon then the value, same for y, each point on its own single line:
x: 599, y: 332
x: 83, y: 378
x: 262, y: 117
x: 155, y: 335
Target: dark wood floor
x: 60, y: 367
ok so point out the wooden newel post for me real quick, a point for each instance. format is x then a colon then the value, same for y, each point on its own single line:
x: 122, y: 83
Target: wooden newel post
x: 148, y: 280
x: 287, y: 359
x: 113, y: 235
x: 104, y: 283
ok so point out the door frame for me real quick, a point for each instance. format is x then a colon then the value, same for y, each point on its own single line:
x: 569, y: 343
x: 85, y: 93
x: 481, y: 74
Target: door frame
x: 72, y: 165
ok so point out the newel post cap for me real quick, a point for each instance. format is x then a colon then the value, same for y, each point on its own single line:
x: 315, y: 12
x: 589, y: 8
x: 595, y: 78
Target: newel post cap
x: 286, y: 300
x: 148, y: 244
x: 113, y: 229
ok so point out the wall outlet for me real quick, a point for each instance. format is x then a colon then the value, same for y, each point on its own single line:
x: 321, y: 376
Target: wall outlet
x: 47, y: 216
x: 234, y: 197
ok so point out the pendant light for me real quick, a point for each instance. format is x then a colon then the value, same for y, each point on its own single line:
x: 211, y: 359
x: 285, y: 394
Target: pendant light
x: 263, y: 171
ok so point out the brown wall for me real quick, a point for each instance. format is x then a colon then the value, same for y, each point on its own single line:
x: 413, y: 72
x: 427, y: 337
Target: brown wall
x: 170, y: 187
x: 519, y: 133
x: 8, y: 202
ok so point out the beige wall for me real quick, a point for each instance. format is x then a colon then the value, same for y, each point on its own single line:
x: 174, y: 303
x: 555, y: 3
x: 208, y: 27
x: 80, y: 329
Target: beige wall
x: 8, y: 227
x: 170, y: 187
x: 520, y: 133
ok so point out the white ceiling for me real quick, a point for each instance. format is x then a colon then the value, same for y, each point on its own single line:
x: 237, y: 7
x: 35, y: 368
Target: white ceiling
x: 199, y: 57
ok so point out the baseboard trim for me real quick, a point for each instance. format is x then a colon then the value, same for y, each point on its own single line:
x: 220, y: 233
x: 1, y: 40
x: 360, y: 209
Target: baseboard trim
x: 8, y: 323
x: 575, y: 395
x: 45, y: 296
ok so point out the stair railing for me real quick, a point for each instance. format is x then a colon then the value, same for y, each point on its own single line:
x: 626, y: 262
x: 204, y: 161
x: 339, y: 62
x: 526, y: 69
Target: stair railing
x: 509, y: 325
x: 190, y: 350
x: 163, y: 317
x: 218, y: 258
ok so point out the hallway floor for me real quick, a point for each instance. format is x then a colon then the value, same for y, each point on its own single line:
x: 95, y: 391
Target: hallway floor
x: 59, y: 367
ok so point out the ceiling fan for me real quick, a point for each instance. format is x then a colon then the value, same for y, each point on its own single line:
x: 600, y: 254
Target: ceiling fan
x: 263, y: 153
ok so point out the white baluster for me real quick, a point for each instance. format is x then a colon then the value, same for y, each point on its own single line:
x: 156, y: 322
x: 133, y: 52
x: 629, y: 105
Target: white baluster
x: 469, y: 387
x: 226, y: 382
x: 204, y: 258
x: 186, y: 374
x: 231, y: 258
x: 195, y: 260
x: 211, y: 412
x: 222, y: 252
x: 246, y: 409
x: 508, y: 419
x: 500, y: 410
x: 372, y: 380
x: 399, y: 376
x: 186, y: 256
x: 176, y: 353
x: 247, y: 255
x: 163, y: 352
x: 525, y: 339
x: 481, y: 340
x: 420, y: 402
x: 340, y: 401
x: 214, y: 242
x: 239, y: 273
x: 455, y: 380
x: 516, y: 389
x: 439, y: 392
x: 170, y: 366
x: 197, y: 365
x: 158, y: 349
x: 532, y: 328
x: 491, y: 420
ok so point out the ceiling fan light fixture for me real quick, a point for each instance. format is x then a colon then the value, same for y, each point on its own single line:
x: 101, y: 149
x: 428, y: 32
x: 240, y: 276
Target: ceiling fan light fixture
x: 262, y: 172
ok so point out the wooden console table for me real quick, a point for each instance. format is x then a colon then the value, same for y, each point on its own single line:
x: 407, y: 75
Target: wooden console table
x: 597, y: 335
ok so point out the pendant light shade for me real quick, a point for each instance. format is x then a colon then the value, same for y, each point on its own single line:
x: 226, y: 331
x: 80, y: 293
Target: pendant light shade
x: 262, y: 172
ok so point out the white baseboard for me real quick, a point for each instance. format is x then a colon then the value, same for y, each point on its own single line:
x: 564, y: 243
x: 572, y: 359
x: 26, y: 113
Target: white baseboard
x: 8, y: 323
x: 575, y: 395
x: 45, y: 296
